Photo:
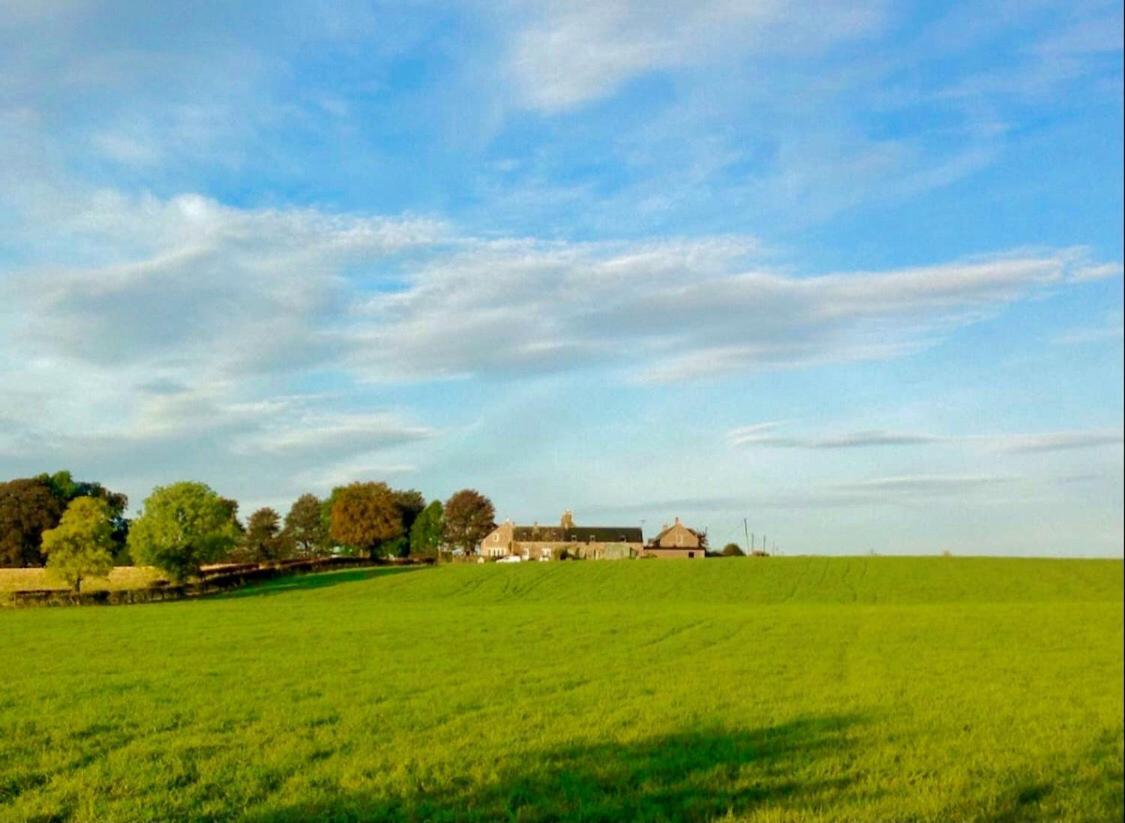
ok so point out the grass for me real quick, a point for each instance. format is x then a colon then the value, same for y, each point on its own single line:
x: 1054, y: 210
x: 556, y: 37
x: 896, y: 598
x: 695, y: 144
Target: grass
x: 122, y: 577
x: 786, y: 689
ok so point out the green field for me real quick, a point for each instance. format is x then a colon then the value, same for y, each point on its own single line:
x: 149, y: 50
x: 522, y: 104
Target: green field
x: 782, y: 689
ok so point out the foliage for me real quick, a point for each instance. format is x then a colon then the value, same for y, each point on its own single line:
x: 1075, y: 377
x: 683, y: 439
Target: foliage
x: 803, y: 689
x: 66, y: 488
x: 182, y: 527
x: 426, y: 533
x: 732, y: 550
x: 410, y: 504
x: 28, y: 507
x: 81, y: 545
x: 263, y: 540
x: 305, y: 528
x: 365, y: 517
x: 468, y: 517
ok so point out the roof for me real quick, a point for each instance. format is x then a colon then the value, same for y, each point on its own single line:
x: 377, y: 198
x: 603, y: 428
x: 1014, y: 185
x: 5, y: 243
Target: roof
x: 577, y: 534
x: 667, y: 529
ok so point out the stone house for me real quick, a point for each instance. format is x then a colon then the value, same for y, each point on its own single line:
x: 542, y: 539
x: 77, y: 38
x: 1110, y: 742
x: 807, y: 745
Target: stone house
x: 677, y: 541
x: 537, y: 542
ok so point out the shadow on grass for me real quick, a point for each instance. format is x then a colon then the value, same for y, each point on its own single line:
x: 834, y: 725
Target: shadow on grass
x: 312, y: 580
x: 696, y: 776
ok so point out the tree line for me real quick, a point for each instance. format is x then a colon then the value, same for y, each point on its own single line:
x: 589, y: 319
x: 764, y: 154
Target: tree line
x: 79, y: 529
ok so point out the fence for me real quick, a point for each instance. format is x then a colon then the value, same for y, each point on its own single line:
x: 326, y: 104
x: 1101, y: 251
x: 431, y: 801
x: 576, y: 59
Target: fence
x: 212, y: 580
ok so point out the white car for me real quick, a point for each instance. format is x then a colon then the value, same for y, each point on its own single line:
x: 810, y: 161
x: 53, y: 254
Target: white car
x: 511, y: 558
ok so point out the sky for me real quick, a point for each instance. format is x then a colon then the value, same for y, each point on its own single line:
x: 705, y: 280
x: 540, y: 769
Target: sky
x: 847, y: 276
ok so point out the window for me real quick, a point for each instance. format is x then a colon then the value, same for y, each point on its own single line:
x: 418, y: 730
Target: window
x: 690, y: 555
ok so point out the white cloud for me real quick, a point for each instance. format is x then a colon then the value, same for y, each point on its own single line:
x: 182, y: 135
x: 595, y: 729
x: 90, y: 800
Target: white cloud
x: 763, y: 435
x: 923, y: 484
x: 327, y: 434
x: 671, y: 311
x: 568, y: 53
x: 1060, y: 441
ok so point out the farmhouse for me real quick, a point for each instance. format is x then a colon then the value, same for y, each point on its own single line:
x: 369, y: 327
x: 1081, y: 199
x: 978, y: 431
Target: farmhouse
x: 677, y: 541
x: 537, y: 542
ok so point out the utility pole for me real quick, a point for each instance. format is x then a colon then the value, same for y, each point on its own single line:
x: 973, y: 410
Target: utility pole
x: 746, y: 529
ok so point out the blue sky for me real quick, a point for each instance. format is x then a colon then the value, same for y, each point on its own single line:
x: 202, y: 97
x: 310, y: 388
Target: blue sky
x: 850, y: 271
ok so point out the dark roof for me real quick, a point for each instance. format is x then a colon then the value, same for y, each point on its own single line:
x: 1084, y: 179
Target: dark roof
x: 578, y: 534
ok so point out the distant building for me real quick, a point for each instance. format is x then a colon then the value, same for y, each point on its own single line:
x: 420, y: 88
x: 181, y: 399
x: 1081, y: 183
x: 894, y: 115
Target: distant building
x: 677, y: 541
x: 537, y: 542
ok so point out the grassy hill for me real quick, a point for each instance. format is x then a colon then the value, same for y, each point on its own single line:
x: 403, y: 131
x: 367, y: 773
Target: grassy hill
x: 784, y: 689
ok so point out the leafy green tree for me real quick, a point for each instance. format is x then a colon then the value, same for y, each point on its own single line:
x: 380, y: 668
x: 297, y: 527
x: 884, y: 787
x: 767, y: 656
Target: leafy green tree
x: 305, y: 528
x: 82, y: 544
x: 28, y: 507
x: 410, y: 504
x: 182, y: 527
x: 468, y: 517
x: 732, y: 550
x: 66, y: 488
x: 365, y: 517
x: 426, y: 531
x: 263, y: 540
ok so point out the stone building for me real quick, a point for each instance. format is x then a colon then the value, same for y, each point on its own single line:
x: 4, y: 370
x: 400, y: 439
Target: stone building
x: 537, y: 542
x: 677, y: 541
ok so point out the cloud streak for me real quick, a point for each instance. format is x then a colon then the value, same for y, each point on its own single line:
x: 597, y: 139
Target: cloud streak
x: 567, y: 54
x: 760, y: 435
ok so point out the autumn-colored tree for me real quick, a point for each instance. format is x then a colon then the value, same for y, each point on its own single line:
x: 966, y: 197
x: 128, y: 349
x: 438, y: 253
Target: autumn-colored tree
x: 305, y: 528
x: 426, y: 532
x: 82, y: 544
x: 28, y: 507
x: 365, y: 517
x: 182, y: 527
x: 468, y: 517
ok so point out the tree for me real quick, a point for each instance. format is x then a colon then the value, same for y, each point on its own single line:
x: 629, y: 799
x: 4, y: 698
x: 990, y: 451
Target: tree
x: 469, y: 516
x: 66, y: 488
x: 305, y: 528
x: 28, y: 507
x: 365, y: 517
x: 82, y: 544
x: 263, y: 540
x: 732, y: 550
x: 411, y: 503
x: 426, y: 532
x: 181, y: 527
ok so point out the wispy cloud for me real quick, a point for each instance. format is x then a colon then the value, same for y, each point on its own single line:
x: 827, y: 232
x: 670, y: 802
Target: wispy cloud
x: 566, y: 54
x: 673, y: 310
x: 761, y: 435
x: 923, y: 484
x: 330, y: 435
